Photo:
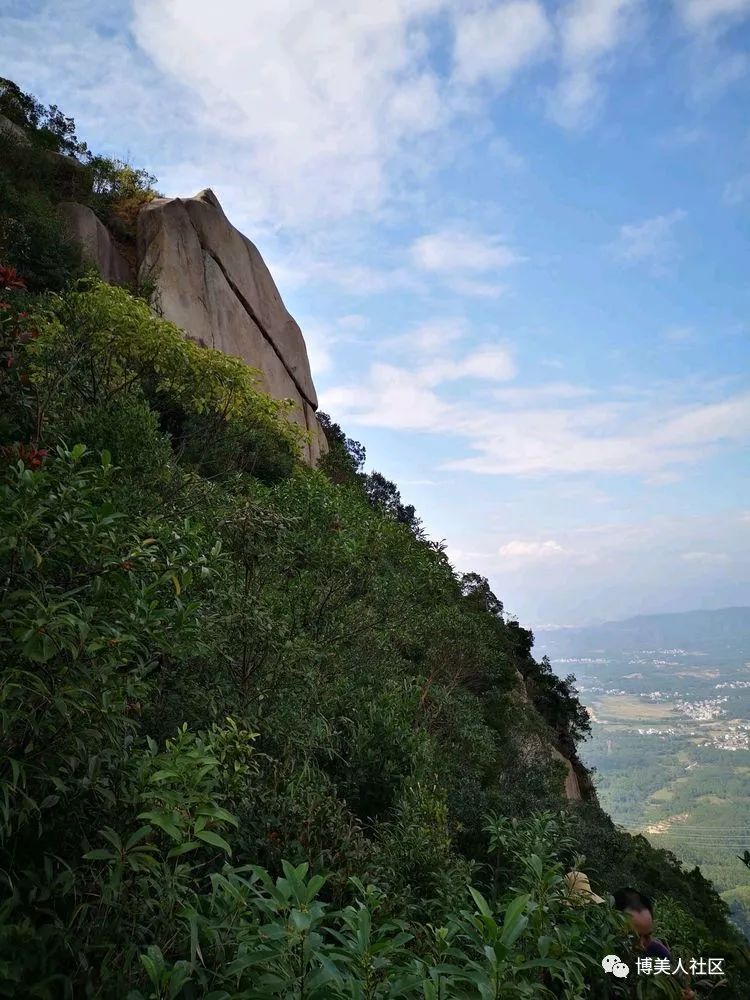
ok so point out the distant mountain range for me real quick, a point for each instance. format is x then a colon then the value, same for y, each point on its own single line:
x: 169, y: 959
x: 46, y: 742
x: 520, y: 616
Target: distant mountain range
x: 706, y: 631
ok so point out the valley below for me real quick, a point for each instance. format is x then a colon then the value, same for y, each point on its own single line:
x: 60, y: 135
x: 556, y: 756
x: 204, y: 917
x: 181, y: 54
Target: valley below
x: 669, y: 702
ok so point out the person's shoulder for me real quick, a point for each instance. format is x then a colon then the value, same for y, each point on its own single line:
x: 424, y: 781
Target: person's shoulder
x: 657, y: 949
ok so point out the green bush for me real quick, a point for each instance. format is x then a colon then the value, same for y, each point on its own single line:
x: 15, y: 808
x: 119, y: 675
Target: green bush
x: 100, y: 347
x: 257, y: 737
x: 32, y: 237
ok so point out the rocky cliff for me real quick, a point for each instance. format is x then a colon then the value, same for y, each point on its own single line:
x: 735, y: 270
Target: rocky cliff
x: 210, y: 280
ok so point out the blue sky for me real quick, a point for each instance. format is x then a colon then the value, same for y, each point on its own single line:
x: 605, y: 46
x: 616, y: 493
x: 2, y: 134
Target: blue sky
x: 514, y: 234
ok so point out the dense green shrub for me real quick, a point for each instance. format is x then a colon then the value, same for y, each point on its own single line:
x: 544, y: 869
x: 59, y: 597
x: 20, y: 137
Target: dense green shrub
x: 47, y: 127
x: 32, y: 236
x: 221, y: 671
x: 102, y: 351
x: 44, y: 163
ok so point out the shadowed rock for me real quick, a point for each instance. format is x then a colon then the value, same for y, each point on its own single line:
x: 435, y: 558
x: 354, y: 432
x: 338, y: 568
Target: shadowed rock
x: 96, y: 242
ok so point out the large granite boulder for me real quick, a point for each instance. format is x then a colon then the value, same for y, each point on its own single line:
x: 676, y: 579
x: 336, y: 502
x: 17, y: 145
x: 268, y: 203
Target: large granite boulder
x: 211, y: 281
x: 98, y: 247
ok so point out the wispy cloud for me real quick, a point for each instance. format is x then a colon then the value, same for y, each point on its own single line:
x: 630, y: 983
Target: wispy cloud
x: 429, y: 337
x: 505, y: 153
x: 681, y: 136
x: 292, y: 85
x: 529, y: 431
x: 532, y: 395
x: 520, y: 552
x: 651, y: 243
x: 701, y: 15
x: 408, y: 398
x: 715, y: 64
x: 469, y: 263
x: 454, y: 251
x: 477, y: 288
x: 494, y: 42
x: 577, y: 584
x: 590, y: 33
x: 737, y: 191
x: 706, y: 558
x: 681, y: 335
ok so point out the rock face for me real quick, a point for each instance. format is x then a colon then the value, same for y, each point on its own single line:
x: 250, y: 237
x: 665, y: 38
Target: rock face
x: 572, y: 788
x: 211, y: 281
x: 98, y: 246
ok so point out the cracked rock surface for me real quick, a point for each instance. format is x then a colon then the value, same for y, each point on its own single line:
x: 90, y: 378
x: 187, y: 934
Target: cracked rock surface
x: 212, y: 281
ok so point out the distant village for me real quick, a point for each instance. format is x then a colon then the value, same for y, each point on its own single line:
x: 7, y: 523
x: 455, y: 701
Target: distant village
x: 734, y: 736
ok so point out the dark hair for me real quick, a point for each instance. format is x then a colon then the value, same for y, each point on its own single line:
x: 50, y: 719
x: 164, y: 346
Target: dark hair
x: 631, y: 899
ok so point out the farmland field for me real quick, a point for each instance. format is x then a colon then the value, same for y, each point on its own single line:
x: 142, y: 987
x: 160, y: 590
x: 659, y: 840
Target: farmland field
x: 669, y: 699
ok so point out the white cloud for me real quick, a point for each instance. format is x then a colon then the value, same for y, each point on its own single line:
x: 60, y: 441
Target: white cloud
x: 590, y: 32
x: 701, y: 14
x: 453, y: 251
x: 316, y: 97
x: 715, y: 69
x: 645, y: 552
x: 496, y: 42
x: 353, y: 322
x: 476, y: 288
x: 651, y: 242
x: 616, y: 437
x: 431, y: 347
x: 714, y: 65
x: 519, y: 551
x: 429, y: 337
x: 490, y: 363
x: 706, y: 558
x: 532, y: 395
x: 295, y: 112
x: 318, y: 349
x: 407, y: 398
x: 300, y: 269
x: 322, y: 338
x: 392, y: 397
x: 553, y: 429
x: 493, y: 364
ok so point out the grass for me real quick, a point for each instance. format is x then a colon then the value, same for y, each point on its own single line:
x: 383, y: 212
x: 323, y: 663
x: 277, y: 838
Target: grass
x: 629, y: 708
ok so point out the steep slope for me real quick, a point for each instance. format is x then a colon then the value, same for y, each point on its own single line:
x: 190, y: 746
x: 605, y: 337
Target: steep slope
x: 201, y: 272
x: 258, y: 737
x: 211, y: 281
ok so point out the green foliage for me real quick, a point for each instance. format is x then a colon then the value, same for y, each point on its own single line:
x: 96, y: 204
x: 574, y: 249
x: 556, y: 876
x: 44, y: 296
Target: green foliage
x: 102, y: 351
x: 32, y: 236
x: 118, y: 192
x: 91, y: 603
x: 252, y: 723
x: 343, y: 464
x: 556, y: 700
x: 345, y: 458
x: 235, y: 931
x: 47, y: 126
x: 43, y: 164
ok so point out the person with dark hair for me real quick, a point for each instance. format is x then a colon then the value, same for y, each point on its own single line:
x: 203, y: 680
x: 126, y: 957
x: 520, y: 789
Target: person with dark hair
x: 640, y: 909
